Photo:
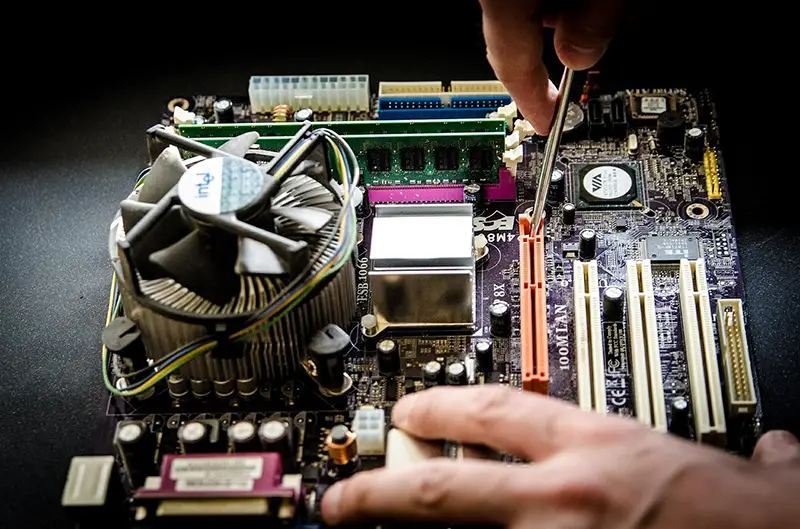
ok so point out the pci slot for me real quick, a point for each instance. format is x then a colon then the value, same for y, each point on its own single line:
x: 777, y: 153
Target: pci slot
x: 533, y: 310
x: 701, y: 357
x: 736, y: 358
x: 648, y: 386
x: 589, y: 355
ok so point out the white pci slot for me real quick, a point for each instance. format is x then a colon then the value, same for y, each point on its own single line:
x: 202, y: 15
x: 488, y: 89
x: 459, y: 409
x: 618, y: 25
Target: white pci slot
x: 590, y: 359
x: 736, y: 358
x: 701, y: 356
x: 648, y: 386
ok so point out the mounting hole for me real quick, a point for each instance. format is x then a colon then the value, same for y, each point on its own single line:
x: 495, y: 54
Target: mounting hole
x: 697, y: 211
x: 653, y: 255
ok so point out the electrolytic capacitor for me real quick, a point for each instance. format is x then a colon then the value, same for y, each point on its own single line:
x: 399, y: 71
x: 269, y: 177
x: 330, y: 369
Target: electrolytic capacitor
x: 276, y: 436
x: 587, y: 244
x: 679, y: 418
x: 223, y: 110
x: 694, y: 144
x: 327, y: 349
x: 670, y: 128
x: 500, y: 318
x: 456, y: 374
x: 243, y: 437
x: 195, y: 438
x: 473, y: 194
x: 556, y: 191
x: 613, y: 302
x: 136, y: 445
x: 484, y: 355
x: 304, y: 114
x: 432, y: 373
x: 568, y: 214
x: 388, y: 357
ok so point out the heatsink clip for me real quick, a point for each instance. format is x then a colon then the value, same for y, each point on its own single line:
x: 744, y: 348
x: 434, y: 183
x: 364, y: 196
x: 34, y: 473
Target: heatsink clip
x: 589, y: 355
x: 533, y: 309
x: 648, y: 386
x: 701, y: 356
x: 741, y: 390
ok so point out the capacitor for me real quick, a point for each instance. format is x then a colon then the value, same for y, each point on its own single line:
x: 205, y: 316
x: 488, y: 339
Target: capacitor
x: 670, y: 128
x: 556, y: 191
x: 456, y: 374
x: 136, y: 445
x: 223, y: 110
x: 694, y: 144
x: 277, y: 436
x: 484, y: 355
x: 587, y: 244
x: 388, y: 357
x: 633, y: 144
x: 195, y: 438
x: 568, y: 214
x: 473, y: 194
x: 342, y: 449
x: 679, y: 418
x: 304, y: 114
x: 432, y: 373
x: 243, y: 437
x: 326, y: 349
x: 613, y: 301
x: 178, y: 386
x: 500, y: 318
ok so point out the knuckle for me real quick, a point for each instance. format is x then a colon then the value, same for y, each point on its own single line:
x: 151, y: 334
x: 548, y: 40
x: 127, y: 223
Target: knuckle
x: 431, y: 490
x: 580, y: 492
x: 490, y: 404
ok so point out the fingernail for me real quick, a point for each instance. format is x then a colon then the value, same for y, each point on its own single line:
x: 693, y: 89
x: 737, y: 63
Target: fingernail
x: 585, y: 50
x: 331, y: 508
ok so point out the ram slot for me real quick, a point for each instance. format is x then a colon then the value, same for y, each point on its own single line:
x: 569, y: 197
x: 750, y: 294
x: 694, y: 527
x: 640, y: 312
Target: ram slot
x: 736, y: 358
x: 648, y: 386
x: 701, y: 356
x: 533, y: 310
x: 588, y: 338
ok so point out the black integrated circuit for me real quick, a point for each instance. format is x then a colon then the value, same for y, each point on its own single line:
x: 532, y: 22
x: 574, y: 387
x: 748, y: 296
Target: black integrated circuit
x: 606, y: 185
x: 667, y: 249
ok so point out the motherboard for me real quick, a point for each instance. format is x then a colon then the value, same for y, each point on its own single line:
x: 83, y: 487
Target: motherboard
x: 296, y: 260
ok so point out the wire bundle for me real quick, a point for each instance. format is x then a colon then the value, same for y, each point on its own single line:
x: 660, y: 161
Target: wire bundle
x: 304, y: 284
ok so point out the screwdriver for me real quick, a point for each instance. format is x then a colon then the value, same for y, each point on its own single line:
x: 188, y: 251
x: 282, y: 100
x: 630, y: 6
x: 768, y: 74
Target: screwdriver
x: 551, y: 148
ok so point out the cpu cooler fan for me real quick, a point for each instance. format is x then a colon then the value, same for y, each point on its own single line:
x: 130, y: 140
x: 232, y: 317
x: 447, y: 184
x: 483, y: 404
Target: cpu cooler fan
x: 210, y: 240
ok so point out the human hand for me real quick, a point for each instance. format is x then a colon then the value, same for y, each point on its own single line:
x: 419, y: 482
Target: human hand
x: 513, y: 33
x: 587, y: 471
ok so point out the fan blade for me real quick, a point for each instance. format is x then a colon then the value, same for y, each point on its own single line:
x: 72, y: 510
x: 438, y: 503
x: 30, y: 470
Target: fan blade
x: 164, y: 174
x: 133, y: 211
x: 169, y: 230
x: 312, y: 218
x: 239, y: 145
x: 203, y: 263
x: 256, y: 258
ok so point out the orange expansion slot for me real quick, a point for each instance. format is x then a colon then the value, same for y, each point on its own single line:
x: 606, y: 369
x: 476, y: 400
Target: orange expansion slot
x: 533, y: 310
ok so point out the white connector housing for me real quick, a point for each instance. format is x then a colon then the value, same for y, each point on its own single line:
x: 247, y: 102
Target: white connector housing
x: 512, y: 140
x: 524, y: 128
x: 369, y: 425
x: 182, y: 117
x: 512, y: 158
x: 509, y: 113
x: 318, y: 92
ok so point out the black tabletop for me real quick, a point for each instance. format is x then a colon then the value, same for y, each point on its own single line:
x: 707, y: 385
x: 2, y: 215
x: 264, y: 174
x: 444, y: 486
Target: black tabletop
x: 72, y: 119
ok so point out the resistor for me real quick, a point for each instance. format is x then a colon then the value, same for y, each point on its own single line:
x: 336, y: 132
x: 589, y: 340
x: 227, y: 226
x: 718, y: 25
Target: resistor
x: 282, y: 113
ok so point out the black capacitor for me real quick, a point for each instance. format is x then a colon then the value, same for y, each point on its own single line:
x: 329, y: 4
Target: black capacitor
x: 694, y: 144
x: 326, y: 350
x: 568, y: 214
x: 500, y: 318
x: 484, y: 355
x: 123, y: 338
x: 277, y: 436
x: 243, y: 437
x: 679, y: 418
x: 195, y: 438
x: 670, y: 129
x: 388, y: 357
x: 223, y: 110
x: 613, y: 302
x: 136, y: 445
x: 556, y: 191
x: 432, y: 373
x: 587, y: 245
x: 456, y: 374
x: 304, y: 114
x: 594, y: 119
x: 473, y: 194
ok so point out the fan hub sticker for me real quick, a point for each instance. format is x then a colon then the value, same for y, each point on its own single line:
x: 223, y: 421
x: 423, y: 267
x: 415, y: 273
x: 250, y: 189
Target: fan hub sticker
x: 220, y: 185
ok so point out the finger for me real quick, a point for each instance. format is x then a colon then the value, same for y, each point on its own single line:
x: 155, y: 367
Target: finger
x: 583, y: 33
x: 435, y: 490
x: 521, y: 423
x: 777, y: 447
x: 513, y: 33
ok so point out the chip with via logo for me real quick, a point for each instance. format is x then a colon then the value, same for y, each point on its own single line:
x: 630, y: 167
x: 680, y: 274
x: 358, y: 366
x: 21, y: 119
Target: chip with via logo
x: 606, y: 185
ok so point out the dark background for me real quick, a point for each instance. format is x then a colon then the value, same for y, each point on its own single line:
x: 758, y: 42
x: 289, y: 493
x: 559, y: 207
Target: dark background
x: 78, y: 91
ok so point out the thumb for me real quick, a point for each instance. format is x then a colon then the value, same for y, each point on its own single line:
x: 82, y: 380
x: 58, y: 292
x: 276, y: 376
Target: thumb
x: 583, y: 33
x: 777, y: 447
